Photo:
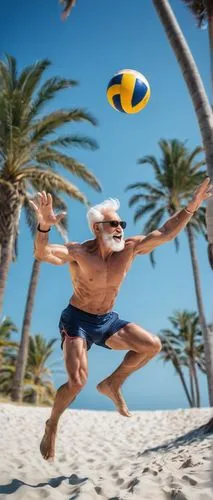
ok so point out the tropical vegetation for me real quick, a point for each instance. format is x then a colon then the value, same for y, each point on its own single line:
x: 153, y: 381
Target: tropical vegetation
x: 182, y: 345
x: 38, y: 384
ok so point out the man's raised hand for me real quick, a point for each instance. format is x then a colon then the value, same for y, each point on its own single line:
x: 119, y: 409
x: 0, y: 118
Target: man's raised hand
x: 42, y: 204
x: 202, y: 193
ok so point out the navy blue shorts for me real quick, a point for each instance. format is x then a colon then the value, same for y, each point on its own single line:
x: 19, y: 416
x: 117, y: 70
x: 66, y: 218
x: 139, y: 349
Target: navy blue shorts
x: 94, y: 328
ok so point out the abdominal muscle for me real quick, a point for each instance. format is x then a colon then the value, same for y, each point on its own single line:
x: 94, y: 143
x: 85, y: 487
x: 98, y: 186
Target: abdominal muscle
x: 94, y: 301
x: 93, y: 295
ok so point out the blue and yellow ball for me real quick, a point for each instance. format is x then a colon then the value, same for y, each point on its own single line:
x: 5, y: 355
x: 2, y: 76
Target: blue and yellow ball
x: 128, y: 91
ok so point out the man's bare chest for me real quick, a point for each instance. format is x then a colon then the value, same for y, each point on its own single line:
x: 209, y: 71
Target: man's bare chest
x: 94, y: 270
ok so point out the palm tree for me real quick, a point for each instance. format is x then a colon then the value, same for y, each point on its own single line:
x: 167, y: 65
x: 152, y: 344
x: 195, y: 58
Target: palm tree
x: 29, y: 151
x: 202, y: 109
x: 203, y: 12
x: 183, y: 346
x: 171, y: 352
x: 8, y: 349
x: 7, y: 327
x: 38, y: 384
x: 177, y: 175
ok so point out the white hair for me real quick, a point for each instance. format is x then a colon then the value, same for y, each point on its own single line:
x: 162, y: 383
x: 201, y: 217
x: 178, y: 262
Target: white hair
x: 96, y: 213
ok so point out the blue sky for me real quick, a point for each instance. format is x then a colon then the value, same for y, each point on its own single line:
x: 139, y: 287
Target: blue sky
x: 98, y: 39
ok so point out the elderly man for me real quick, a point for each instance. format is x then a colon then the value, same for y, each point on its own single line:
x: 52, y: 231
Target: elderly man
x: 97, y: 269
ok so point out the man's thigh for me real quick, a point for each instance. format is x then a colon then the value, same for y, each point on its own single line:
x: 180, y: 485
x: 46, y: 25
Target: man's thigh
x: 75, y: 356
x: 132, y: 337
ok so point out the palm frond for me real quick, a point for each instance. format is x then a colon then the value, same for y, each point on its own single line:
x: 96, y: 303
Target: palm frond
x: 49, y: 123
x: 70, y: 164
x: 142, y: 197
x: 73, y: 141
x: 177, y: 244
x: 30, y: 215
x: 154, y: 221
x: 143, y: 209
x: 30, y: 78
x: 198, y: 9
x: 47, y: 92
x: 51, y: 181
x: 151, y: 160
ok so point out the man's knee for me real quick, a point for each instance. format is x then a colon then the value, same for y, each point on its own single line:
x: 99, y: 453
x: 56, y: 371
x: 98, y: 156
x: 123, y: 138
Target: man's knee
x: 77, y: 379
x: 156, y: 344
x: 152, y: 345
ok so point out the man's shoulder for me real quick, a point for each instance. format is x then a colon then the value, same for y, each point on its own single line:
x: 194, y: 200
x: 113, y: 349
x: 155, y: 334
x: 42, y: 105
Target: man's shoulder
x: 75, y: 245
x: 132, y: 241
x: 72, y: 244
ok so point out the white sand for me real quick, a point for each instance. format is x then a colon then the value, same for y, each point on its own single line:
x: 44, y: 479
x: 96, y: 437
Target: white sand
x: 101, y: 455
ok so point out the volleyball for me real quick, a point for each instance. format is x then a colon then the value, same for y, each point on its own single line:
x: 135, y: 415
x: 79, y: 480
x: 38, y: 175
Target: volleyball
x: 128, y: 91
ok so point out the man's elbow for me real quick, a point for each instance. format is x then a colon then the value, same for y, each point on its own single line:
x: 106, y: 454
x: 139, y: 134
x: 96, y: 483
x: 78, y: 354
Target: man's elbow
x: 37, y: 255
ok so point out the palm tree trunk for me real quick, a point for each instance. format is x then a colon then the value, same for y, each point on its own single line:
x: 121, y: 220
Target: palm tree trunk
x: 209, y: 217
x: 198, y: 95
x: 208, y: 341
x: 10, y: 207
x: 196, y: 383
x: 5, y: 260
x: 191, y: 379
x: 191, y: 75
x: 181, y: 375
x: 209, y: 6
x: 21, y: 362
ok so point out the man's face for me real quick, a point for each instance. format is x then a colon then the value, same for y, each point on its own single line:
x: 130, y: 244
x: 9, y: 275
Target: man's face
x: 112, y: 237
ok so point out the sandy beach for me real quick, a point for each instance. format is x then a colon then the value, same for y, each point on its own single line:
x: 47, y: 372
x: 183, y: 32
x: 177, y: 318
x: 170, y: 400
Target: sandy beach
x: 102, y: 455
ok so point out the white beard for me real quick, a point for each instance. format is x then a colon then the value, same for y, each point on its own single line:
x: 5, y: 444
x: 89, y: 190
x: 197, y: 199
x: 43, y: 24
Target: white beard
x: 114, y: 245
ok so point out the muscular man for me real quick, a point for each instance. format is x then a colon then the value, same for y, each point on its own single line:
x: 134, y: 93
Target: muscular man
x: 97, y: 269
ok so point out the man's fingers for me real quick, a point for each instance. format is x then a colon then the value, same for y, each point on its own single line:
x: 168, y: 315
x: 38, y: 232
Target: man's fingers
x: 44, y: 197
x: 206, y: 183
x: 49, y: 199
x: 202, y: 189
x: 33, y: 205
x: 39, y: 198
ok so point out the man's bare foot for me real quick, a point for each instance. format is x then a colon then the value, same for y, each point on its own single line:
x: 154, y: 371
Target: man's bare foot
x: 106, y: 387
x: 47, y: 446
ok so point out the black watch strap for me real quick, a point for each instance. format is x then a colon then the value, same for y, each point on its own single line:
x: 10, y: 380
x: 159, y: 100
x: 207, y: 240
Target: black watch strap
x: 41, y: 230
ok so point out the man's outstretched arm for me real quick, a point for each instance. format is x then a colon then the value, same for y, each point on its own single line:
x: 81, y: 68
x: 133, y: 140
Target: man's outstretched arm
x: 43, y: 250
x: 145, y: 244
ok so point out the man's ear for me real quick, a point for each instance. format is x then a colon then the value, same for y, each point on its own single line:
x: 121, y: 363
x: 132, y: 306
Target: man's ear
x: 96, y: 228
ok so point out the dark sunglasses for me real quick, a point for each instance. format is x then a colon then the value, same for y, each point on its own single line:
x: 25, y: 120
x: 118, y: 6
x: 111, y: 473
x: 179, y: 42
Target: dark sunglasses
x: 114, y: 223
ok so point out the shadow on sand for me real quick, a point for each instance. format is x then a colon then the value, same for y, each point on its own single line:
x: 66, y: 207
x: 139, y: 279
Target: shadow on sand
x: 195, y: 435
x: 54, y: 482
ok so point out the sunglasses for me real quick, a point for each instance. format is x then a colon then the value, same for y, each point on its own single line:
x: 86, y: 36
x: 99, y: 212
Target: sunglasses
x: 114, y: 223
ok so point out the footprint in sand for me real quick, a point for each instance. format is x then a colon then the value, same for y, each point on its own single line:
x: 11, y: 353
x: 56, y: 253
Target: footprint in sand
x: 190, y: 480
